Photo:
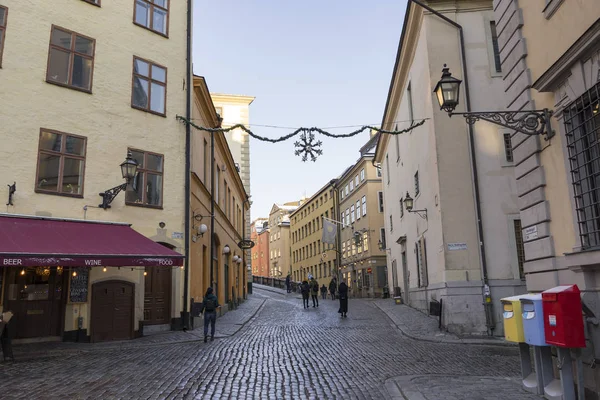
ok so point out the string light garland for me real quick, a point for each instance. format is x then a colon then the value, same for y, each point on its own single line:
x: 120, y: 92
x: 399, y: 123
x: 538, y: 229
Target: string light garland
x: 307, y: 146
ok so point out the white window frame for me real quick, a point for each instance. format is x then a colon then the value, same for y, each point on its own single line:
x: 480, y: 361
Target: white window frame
x: 351, y: 185
x: 357, y: 209
x: 356, y: 181
x: 352, y: 213
x: 364, y: 206
x: 362, y: 174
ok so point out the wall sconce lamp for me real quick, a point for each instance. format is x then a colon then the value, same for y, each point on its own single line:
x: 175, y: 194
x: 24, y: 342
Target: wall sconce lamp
x: 226, y: 249
x: 128, y: 171
x: 235, y: 258
x: 408, y: 204
x: 528, y: 122
x: 239, y: 260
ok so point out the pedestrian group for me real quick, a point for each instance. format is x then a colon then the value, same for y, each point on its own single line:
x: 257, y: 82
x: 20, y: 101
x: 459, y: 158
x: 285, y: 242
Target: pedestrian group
x: 310, y: 289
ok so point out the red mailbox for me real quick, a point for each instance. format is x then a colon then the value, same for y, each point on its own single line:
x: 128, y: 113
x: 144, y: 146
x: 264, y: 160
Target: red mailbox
x: 563, y: 319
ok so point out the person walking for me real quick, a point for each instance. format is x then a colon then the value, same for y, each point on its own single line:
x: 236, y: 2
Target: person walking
x: 305, y: 290
x: 343, y: 293
x: 324, y: 292
x: 332, y: 288
x: 314, y: 286
x: 210, y: 304
x: 288, y: 283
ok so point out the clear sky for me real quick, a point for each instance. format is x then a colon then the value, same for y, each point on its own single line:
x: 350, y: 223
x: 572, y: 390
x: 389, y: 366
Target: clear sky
x: 325, y: 63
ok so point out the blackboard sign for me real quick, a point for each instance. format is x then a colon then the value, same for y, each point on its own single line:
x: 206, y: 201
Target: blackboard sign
x: 78, y: 290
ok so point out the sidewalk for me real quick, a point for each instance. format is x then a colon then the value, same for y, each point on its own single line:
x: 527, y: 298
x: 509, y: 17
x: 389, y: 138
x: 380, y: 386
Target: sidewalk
x: 419, y: 326
x: 227, y: 325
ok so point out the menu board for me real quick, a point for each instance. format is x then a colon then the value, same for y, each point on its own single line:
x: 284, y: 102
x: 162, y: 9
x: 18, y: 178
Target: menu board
x: 78, y: 289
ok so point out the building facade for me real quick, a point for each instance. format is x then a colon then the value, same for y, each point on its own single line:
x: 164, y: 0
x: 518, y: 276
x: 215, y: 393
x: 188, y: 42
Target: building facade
x: 260, y: 252
x: 279, y: 239
x: 363, y: 262
x: 309, y: 255
x: 550, y: 54
x: 225, y: 262
x: 235, y: 109
x: 462, y: 241
x: 98, y: 80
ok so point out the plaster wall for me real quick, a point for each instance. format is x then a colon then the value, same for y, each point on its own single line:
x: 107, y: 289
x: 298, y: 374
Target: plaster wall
x: 105, y: 117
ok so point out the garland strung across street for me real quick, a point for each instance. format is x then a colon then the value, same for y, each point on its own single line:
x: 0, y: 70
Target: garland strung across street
x: 306, y: 146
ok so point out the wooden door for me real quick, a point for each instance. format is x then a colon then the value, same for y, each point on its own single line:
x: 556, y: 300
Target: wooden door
x: 112, y: 311
x: 36, y: 297
x: 157, y: 296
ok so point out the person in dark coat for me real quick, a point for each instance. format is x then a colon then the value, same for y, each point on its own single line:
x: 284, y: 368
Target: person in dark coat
x: 314, y: 289
x: 288, y: 285
x: 305, y: 290
x: 332, y: 288
x: 324, y: 292
x: 343, y: 293
x: 210, y: 304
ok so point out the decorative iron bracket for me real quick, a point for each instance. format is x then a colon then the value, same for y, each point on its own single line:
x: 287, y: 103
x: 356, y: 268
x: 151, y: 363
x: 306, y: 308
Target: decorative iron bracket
x: 11, y: 191
x: 529, y: 122
x: 420, y: 213
x: 109, y: 195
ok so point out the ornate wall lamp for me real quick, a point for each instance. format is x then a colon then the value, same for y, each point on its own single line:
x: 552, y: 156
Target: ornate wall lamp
x: 128, y: 170
x: 409, y: 203
x: 528, y: 122
x: 226, y: 249
x: 201, y: 228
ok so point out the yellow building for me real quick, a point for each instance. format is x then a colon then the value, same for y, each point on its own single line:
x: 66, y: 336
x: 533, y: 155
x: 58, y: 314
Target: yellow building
x: 280, y: 264
x: 227, y: 260
x: 83, y: 83
x: 550, y: 52
x: 362, y: 236
x: 309, y: 255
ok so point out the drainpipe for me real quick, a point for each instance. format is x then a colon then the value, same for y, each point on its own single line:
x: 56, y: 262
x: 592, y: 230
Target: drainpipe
x: 336, y: 210
x: 188, y: 115
x: 244, y: 252
x: 486, y: 290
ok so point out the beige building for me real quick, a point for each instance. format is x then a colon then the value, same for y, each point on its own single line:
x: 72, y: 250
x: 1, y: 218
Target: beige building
x: 81, y: 88
x: 226, y: 260
x: 550, y: 55
x: 235, y: 109
x: 309, y: 255
x: 280, y: 262
x: 461, y: 243
x: 362, y: 227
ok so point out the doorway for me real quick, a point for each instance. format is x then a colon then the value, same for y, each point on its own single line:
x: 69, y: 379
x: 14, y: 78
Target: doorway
x: 37, y: 298
x: 405, y: 277
x: 157, y: 296
x: 112, y: 311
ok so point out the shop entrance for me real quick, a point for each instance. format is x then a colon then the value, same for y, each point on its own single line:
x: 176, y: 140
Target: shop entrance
x: 36, y: 296
x: 112, y: 311
x: 157, y: 296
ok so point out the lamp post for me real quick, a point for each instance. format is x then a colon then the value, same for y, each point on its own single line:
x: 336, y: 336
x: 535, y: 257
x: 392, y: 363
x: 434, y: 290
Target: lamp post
x: 409, y: 203
x: 128, y: 171
x: 528, y: 122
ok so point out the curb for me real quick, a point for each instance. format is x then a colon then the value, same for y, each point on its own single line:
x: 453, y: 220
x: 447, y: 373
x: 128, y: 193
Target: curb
x: 477, y: 342
x: 127, y: 345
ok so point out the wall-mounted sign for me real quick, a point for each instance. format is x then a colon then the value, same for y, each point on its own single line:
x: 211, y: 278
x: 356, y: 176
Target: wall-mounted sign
x: 177, y: 235
x: 457, y: 246
x: 246, y: 244
x: 531, y: 233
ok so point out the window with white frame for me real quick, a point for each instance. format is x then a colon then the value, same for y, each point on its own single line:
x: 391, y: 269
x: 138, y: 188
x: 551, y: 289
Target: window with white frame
x: 357, y: 209
x: 496, y: 48
x: 348, y: 217
x: 364, y: 205
x: 356, y: 181
x: 351, y: 185
x: 380, y: 201
x: 346, y: 191
x: 352, y: 213
x: 342, y: 194
x: 362, y: 174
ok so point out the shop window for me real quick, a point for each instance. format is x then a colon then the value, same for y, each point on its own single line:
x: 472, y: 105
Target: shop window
x: 147, y: 187
x: 70, y: 59
x: 61, y: 163
x: 153, y: 15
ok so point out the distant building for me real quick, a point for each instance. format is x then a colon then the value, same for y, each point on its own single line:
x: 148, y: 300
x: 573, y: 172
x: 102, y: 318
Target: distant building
x: 279, y: 239
x: 259, y: 234
x: 362, y: 226
x: 309, y: 256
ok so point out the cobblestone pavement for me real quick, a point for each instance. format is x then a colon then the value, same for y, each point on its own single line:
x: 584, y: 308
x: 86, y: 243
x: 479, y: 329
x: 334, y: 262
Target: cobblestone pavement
x: 282, y: 352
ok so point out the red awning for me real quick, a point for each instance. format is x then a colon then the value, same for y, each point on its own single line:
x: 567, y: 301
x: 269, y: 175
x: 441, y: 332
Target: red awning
x: 34, y: 241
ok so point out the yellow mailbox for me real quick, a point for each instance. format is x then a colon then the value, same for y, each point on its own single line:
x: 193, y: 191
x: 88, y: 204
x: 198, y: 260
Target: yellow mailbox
x: 513, y: 320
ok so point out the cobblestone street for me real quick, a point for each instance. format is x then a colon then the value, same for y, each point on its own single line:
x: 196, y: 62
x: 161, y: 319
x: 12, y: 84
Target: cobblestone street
x: 280, y: 350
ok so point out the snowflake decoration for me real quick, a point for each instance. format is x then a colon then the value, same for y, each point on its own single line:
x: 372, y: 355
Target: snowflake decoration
x: 308, y: 147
